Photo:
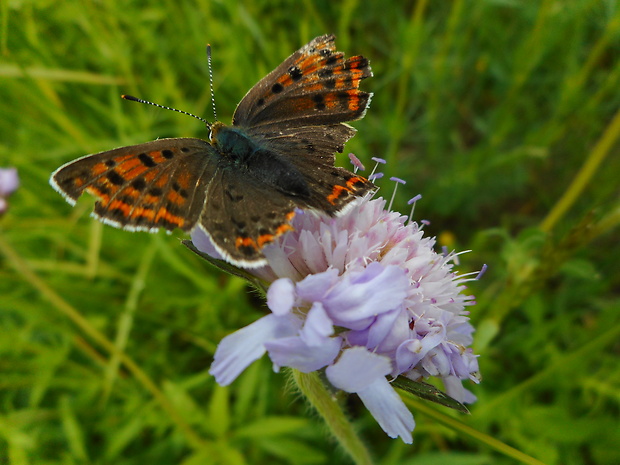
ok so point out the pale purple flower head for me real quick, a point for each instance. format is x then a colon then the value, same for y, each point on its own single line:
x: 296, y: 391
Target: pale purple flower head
x: 9, y: 182
x: 364, y: 297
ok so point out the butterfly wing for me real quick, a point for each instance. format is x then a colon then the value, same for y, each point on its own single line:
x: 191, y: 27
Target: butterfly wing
x: 314, y: 86
x: 311, y: 151
x: 242, y: 215
x: 299, y: 111
x: 160, y: 184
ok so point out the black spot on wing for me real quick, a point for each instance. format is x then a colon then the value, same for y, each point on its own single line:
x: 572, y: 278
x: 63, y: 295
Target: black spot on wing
x: 147, y: 160
x: 138, y: 184
x: 115, y: 178
x: 295, y: 73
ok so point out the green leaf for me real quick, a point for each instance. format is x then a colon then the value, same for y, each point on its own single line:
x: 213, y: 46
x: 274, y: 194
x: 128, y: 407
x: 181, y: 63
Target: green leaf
x: 428, y: 392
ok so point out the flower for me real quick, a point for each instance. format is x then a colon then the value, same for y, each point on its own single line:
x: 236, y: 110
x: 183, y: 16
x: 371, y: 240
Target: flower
x: 9, y: 182
x: 364, y: 297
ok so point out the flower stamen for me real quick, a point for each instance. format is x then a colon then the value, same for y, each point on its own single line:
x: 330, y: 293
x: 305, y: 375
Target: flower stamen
x: 397, y: 182
x: 377, y: 161
x: 412, y: 202
x: 357, y: 164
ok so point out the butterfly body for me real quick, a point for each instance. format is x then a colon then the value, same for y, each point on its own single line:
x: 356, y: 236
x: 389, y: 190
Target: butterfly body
x: 267, y: 166
x: 243, y: 186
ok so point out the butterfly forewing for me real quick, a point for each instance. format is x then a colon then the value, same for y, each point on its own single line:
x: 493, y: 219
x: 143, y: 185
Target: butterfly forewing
x: 314, y: 86
x: 146, y: 186
x: 315, y: 143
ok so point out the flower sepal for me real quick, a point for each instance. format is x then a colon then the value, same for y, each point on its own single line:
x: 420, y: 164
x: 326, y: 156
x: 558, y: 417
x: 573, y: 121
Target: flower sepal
x: 229, y: 268
x: 428, y: 392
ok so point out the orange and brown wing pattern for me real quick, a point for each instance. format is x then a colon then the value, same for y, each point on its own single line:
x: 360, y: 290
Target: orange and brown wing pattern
x: 243, y: 215
x: 160, y: 184
x: 314, y: 86
x: 299, y: 111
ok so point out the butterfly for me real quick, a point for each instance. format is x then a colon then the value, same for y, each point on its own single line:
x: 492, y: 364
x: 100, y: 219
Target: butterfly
x: 244, y: 185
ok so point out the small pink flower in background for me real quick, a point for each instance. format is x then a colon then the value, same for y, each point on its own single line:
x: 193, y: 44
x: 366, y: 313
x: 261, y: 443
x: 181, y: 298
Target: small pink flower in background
x: 365, y: 298
x: 9, y: 182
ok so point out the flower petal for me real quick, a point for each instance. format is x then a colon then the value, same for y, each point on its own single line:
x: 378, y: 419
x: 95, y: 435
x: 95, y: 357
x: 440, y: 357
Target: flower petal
x: 354, y: 302
x: 381, y: 327
x: 202, y: 241
x: 411, y: 351
x: 357, y: 368
x: 281, y: 296
x: 313, y: 252
x: 9, y: 181
x: 293, y: 352
x: 454, y: 388
x: 388, y: 409
x: 317, y: 326
x: 239, y: 349
x: 314, y: 287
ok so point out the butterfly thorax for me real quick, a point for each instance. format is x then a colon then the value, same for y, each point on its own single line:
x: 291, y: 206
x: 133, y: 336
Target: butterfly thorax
x: 241, y: 151
x: 232, y: 143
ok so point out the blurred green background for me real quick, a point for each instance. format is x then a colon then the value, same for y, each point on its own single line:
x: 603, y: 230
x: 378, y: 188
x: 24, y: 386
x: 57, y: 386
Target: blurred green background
x: 502, y: 114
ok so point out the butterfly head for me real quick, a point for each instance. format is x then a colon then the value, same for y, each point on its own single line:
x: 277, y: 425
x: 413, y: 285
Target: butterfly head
x: 214, y: 131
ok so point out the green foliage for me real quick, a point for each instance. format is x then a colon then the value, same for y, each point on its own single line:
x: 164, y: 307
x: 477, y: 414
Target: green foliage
x: 502, y: 114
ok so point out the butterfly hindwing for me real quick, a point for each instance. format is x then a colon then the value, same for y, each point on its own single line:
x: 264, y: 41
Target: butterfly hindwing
x: 241, y: 216
x: 143, y: 187
x: 311, y: 151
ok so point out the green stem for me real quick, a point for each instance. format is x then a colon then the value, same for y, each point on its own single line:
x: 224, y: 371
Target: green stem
x: 466, y: 430
x: 310, y: 385
x: 585, y: 174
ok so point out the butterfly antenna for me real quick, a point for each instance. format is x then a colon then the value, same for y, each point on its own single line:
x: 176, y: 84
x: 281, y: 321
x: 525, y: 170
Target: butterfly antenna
x: 211, y: 80
x: 136, y: 99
